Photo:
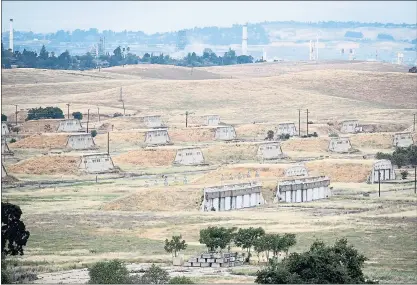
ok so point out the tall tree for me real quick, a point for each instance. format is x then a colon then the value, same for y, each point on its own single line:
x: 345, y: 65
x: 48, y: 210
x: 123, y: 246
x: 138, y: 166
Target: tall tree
x: 246, y: 238
x: 43, y: 54
x: 14, y: 235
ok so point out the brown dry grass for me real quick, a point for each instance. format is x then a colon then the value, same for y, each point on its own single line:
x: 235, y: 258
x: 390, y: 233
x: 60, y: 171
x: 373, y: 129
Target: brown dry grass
x: 353, y: 171
x: 306, y: 144
x: 230, y: 152
x: 40, y: 126
x: 40, y: 141
x: 157, y: 199
x: 146, y: 157
x: 374, y: 140
x: 46, y: 165
x: 191, y: 135
x: 118, y: 138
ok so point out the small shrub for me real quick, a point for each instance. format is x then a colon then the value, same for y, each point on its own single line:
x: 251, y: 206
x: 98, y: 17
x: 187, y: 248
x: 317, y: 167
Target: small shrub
x: 333, y: 135
x: 117, y: 115
x: 109, y: 272
x: 13, y: 140
x: 270, y: 135
x: 404, y: 174
x: 77, y: 115
x: 155, y: 275
x: 3, y: 118
x: 15, y: 129
x: 180, y: 280
x: 93, y: 133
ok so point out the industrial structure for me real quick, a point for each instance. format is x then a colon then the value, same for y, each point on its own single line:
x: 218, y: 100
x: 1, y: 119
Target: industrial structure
x: 303, y: 189
x: 382, y: 168
x: 296, y: 170
x: 189, y: 156
x: 5, y: 150
x: 157, y: 137
x: 341, y: 145
x: 231, y: 197
x: 4, y: 129
x: 245, y: 39
x: 400, y: 58
x: 350, y: 126
x: 212, y: 120
x: 96, y: 163
x: 216, y: 260
x: 225, y: 133
x: 152, y: 121
x: 70, y: 125
x: 11, y: 36
x: 270, y: 150
x: 80, y: 141
x: 404, y: 139
x: 286, y: 129
x: 181, y: 40
x: 314, y: 49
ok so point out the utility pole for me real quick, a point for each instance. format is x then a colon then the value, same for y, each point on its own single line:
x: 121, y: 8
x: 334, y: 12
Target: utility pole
x: 88, y: 118
x: 307, y: 121
x: 379, y: 182
x: 186, y: 119
x: 414, y: 125
x: 98, y: 111
x: 121, y: 94
x: 16, y: 114
x: 108, y: 143
x: 299, y: 123
x: 124, y: 111
x: 415, y: 179
x: 68, y: 104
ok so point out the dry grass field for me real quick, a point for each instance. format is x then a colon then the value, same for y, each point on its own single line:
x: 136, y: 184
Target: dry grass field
x: 76, y: 220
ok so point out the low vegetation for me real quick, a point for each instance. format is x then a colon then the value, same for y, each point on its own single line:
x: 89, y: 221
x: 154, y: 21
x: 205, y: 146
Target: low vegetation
x: 3, y: 118
x: 401, y: 156
x: 322, y: 264
x: 77, y: 115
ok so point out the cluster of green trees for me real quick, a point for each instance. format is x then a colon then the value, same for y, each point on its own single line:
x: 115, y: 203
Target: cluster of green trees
x: 401, y: 156
x: 120, y: 57
x: 45, y: 113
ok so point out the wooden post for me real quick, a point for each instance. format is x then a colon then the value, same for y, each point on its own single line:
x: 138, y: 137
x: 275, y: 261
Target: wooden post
x: 299, y: 122
x: 68, y: 111
x: 16, y: 115
x: 88, y: 118
x: 186, y: 119
x: 415, y: 179
x: 307, y: 122
x: 108, y: 143
x: 98, y: 111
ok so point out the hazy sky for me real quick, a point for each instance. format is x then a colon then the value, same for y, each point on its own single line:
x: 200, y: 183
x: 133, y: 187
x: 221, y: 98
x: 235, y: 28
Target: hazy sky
x: 152, y: 16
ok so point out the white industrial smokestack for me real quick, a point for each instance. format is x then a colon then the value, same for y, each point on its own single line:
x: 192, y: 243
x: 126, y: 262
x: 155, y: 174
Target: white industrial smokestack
x: 264, y: 54
x: 317, y: 48
x: 11, y: 35
x: 245, y: 39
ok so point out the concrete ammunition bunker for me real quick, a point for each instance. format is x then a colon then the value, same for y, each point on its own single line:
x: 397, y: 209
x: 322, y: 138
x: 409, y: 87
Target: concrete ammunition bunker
x: 385, y: 168
x: 303, y: 189
x: 404, y: 139
x: 296, y: 170
x: 340, y: 145
x: 5, y: 150
x: 350, y: 126
x: 70, y: 125
x: 151, y: 121
x: 3, y: 171
x: 231, y: 197
x: 156, y: 137
x: 80, y: 141
x: 287, y: 128
x: 96, y: 163
x: 270, y: 150
x: 225, y: 133
x: 211, y: 120
x: 189, y: 156
x: 4, y: 129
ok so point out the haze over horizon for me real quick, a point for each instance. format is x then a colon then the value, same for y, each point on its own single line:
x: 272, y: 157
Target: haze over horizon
x: 157, y: 16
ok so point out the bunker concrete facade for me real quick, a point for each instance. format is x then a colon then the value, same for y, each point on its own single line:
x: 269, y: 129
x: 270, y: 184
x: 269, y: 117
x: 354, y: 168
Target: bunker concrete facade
x: 340, y: 145
x: 3, y: 171
x: 189, y: 156
x: 232, y: 197
x: 70, y: 125
x: 225, y: 133
x: 270, y: 150
x: 212, y: 120
x: 4, y: 129
x: 80, y: 141
x: 350, y: 127
x: 303, y: 189
x: 296, y: 170
x: 5, y: 150
x: 152, y: 121
x: 384, y: 168
x: 157, y: 137
x: 403, y: 139
x: 287, y: 128
x: 96, y: 163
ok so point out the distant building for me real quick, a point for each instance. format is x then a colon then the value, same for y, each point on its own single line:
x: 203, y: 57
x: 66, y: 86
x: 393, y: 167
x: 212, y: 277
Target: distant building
x: 181, y: 40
